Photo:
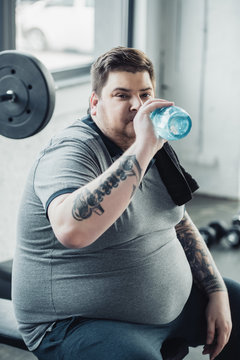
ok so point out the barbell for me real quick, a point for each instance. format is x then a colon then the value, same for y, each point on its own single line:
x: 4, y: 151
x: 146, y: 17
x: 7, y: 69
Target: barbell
x: 27, y: 95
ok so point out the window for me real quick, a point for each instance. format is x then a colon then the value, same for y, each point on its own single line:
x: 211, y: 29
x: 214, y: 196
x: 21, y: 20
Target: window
x: 110, y: 24
x: 60, y: 33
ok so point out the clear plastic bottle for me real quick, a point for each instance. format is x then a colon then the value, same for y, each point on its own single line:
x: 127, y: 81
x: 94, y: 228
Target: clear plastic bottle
x: 171, y: 123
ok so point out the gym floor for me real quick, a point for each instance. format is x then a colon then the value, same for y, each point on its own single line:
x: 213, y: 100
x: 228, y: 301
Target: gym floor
x: 202, y: 209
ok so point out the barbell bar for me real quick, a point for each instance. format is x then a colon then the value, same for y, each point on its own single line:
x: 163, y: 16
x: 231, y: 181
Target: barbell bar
x: 27, y: 94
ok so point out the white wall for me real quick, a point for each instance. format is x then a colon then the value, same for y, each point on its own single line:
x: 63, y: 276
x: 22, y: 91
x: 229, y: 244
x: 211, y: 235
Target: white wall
x: 198, y: 66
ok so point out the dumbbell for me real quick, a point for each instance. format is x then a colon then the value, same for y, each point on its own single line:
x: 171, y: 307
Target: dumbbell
x: 213, y: 232
x: 232, y: 237
x: 27, y: 95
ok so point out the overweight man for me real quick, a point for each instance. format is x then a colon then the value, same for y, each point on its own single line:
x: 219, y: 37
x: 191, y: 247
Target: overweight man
x: 108, y: 263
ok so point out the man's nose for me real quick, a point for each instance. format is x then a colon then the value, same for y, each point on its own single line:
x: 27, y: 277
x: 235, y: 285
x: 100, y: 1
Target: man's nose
x: 136, y: 103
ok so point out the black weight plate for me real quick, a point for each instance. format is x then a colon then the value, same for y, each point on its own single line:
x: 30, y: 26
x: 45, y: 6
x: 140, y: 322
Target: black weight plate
x: 34, y: 88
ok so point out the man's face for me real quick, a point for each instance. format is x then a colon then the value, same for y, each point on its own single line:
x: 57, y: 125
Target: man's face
x: 121, y: 98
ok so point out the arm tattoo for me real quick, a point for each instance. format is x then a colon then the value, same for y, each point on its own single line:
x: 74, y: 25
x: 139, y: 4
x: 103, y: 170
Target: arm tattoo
x: 88, y: 202
x: 201, y: 263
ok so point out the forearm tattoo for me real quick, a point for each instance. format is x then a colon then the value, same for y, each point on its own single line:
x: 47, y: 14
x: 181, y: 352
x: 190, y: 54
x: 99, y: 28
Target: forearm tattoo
x: 89, y: 202
x: 201, y: 263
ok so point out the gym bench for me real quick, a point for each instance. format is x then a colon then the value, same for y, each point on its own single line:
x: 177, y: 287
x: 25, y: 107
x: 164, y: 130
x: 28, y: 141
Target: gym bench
x: 172, y: 349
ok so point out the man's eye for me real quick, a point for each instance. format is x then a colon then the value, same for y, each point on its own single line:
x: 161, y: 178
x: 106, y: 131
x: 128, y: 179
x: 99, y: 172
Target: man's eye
x: 146, y: 95
x: 122, y: 96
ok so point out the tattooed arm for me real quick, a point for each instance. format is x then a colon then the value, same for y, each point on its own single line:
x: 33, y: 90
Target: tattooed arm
x: 204, y: 270
x: 208, y: 278
x: 78, y: 219
x: 87, y: 202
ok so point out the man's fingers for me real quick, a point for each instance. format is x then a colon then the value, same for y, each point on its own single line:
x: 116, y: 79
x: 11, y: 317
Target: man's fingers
x: 152, y: 104
x: 216, y: 346
x: 219, y: 324
x: 210, y: 333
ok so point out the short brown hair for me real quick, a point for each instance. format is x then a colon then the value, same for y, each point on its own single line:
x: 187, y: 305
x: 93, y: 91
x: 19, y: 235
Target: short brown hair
x: 119, y: 59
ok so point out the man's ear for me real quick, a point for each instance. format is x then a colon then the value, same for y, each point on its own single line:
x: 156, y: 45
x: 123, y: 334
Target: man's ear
x: 93, y: 103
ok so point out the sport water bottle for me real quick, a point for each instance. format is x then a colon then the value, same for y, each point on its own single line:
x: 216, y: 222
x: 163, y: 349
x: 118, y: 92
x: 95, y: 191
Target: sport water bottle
x: 171, y: 123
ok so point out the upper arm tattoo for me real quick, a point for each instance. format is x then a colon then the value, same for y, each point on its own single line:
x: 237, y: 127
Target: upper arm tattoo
x: 89, y: 202
x: 202, y: 265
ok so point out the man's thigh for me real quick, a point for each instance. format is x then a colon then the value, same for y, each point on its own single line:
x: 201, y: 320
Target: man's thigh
x: 102, y: 339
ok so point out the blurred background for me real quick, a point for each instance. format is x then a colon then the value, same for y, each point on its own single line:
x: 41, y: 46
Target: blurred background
x: 194, y: 46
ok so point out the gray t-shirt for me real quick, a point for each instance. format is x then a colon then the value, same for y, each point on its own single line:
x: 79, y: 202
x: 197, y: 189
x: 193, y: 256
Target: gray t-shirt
x: 136, y: 271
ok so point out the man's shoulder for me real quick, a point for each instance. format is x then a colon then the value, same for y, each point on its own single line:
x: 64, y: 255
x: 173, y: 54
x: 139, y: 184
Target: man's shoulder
x: 78, y: 140
x: 79, y: 131
x: 77, y: 135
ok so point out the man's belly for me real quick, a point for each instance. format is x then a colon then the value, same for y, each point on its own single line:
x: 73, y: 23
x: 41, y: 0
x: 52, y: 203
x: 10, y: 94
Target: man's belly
x: 152, y: 290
